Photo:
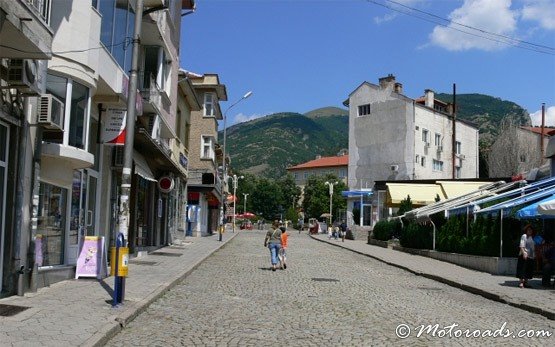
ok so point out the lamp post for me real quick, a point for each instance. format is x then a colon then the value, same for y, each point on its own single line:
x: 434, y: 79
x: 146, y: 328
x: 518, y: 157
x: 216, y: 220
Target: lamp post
x: 224, y: 169
x: 330, y: 185
x: 235, y: 179
x: 245, y: 202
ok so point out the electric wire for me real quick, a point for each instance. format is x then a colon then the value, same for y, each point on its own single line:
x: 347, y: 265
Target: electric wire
x: 502, y: 39
x: 126, y: 42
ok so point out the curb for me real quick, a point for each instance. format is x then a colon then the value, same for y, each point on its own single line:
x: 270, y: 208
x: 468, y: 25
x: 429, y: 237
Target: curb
x: 488, y: 295
x: 111, y: 329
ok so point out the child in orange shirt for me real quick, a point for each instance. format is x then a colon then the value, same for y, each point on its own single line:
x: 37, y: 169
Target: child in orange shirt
x: 282, y: 255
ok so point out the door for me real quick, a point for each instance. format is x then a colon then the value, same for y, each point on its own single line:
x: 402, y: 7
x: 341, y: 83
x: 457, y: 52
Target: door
x: 4, y: 150
x: 91, y: 208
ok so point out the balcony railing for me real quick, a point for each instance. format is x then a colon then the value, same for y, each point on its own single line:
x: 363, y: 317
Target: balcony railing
x: 41, y: 8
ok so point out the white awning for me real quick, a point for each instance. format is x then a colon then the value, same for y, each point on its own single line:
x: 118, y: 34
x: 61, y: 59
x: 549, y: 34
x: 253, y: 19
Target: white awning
x: 141, y: 167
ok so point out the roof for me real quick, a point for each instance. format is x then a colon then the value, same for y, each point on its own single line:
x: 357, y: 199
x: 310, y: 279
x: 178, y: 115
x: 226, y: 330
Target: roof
x: 342, y: 160
x: 538, y: 130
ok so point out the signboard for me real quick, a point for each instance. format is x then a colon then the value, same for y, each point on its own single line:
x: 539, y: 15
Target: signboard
x: 39, y: 258
x: 92, y: 261
x: 113, y: 131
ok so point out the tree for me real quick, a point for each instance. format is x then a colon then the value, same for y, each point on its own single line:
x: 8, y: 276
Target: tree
x: 290, y: 192
x: 266, y: 198
x: 515, y: 151
x: 317, y: 199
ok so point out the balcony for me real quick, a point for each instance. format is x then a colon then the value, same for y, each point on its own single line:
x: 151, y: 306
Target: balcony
x: 205, y: 179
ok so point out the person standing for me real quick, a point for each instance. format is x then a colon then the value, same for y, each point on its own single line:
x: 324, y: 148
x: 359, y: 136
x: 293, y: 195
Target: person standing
x: 273, y: 242
x: 525, y: 264
x: 283, y: 255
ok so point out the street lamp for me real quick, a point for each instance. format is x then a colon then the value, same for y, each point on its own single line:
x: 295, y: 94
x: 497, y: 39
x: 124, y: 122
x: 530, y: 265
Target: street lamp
x: 330, y: 185
x: 235, y: 179
x: 245, y: 202
x: 224, y: 169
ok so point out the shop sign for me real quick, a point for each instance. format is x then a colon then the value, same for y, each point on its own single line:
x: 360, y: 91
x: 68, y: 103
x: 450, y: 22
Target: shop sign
x: 113, y: 131
x: 183, y: 160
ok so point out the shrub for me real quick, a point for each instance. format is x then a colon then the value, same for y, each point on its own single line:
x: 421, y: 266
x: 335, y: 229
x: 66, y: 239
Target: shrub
x: 418, y: 236
x: 383, y: 230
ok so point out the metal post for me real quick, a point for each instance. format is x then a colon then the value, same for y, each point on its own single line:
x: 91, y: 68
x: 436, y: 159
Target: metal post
x: 245, y: 202
x: 501, y: 237
x: 234, y: 202
x: 361, y: 199
x: 123, y: 218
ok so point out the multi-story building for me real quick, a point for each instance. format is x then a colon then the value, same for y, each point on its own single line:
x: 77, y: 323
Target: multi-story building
x: 392, y: 136
x: 26, y: 37
x: 205, y: 194
x: 336, y: 165
x: 74, y: 169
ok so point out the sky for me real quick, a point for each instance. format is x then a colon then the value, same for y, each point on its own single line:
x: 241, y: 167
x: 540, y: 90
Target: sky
x: 296, y: 56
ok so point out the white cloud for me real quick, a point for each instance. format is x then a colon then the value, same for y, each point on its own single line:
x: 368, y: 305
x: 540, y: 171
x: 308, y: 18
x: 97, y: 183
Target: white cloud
x: 240, y: 118
x: 392, y: 15
x: 549, y: 117
x: 493, y: 16
x: 542, y: 11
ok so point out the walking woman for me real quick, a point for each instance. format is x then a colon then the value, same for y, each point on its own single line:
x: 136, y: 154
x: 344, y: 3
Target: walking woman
x: 273, y: 242
x: 525, y: 264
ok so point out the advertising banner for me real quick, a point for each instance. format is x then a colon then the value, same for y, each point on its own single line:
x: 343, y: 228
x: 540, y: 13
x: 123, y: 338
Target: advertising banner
x: 113, y: 131
x: 92, y: 261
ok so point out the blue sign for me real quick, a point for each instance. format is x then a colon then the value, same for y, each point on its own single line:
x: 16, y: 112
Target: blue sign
x: 183, y: 160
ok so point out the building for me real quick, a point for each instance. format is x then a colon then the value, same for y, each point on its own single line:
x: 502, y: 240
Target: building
x: 205, y: 194
x: 518, y: 150
x: 394, y: 137
x: 26, y: 39
x: 336, y: 165
x: 73, y: 169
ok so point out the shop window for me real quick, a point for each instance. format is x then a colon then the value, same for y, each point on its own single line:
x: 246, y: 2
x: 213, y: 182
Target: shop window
x: 51, y: 224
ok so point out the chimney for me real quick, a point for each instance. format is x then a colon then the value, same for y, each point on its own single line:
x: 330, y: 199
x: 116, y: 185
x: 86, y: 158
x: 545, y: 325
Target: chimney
x: 429, y: 95
x: 318, y: 156
x: 388, y: 81
x: 398, y: 88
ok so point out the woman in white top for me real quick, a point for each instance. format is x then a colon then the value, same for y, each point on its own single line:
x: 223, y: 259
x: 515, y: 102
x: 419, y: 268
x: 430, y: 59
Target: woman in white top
x: 525, y: 264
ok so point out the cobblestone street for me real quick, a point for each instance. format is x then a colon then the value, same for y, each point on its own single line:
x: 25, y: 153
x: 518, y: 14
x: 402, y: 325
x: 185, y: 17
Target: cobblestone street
x: 327, y: 296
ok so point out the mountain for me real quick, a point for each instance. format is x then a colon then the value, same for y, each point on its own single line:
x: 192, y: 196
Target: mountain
x: 267, y: 146
x: 487, y: 112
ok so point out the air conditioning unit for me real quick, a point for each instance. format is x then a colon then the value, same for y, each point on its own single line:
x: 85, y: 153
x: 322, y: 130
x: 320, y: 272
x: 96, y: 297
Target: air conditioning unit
x: 426, y: 145
x: 395, y: 168
x: 462, y: 156
x: 117, y: 156
x: 51, y: 113
x: 23, y: 75
x: 440, y: 148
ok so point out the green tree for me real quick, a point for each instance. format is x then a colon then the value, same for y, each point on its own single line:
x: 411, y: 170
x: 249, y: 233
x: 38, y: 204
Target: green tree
x: 317, y: 199
x: 405, y: 206
x: 290, y: 192
x: 266, y: 199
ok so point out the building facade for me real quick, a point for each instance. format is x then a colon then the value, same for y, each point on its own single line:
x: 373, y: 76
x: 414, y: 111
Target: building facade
x: 393, y: 137
x: 336, y: 165
x: 74, y: 172
x: 205, y: 190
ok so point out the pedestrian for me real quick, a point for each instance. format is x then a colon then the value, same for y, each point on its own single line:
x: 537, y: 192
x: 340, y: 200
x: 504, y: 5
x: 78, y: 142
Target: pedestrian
x: 282, y: 253
x: 525, y: 263
x: 273, y: 242
x: 343, y: 228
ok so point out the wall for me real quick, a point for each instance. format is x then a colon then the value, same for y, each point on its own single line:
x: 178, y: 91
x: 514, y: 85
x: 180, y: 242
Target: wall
x: 381, y: 139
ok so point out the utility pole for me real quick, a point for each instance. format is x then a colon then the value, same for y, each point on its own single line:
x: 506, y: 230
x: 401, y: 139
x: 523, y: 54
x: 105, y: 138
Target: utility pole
x: 123, y: 216
x: 245, y: 202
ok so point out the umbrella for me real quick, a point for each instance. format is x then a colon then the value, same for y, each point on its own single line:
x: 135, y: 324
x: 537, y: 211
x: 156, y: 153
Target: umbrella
x: 533, y: 210
x: 547, y: 207
x: 325, y: 215
x: 248, y: 215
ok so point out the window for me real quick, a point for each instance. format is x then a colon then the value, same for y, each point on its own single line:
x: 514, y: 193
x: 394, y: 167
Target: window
x: 209, y: 100
x: 364, y: 110
x: 296, y: 176
x: 417, y: 159
x: 437, y: 139
x: 423, y: 161
x: 342, y: 173
x: 522, y: 158
x: 51, y: 224
x: 438, y: 165
x: 207, y: 148
x: 425, y: 136
x: 305, y: 175
x: 118, y: 19
x: 154, y: 67
x: 75, y: 97
x: 457, y: 147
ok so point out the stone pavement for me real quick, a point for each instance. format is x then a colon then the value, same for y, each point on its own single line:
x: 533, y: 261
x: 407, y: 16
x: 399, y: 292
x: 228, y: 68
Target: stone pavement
x: 79, y: 312
x: 499, y: 288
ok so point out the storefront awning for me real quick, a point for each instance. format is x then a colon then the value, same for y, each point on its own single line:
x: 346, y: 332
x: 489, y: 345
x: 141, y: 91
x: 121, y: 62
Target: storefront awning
x: 420, y: 194
x: 456, y: 189
x: 141, y: 167
x: 533, y: 210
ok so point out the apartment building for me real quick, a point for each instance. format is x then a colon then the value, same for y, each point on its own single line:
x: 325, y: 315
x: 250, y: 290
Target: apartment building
x: 394, y: 137
x: 205, y: 194
x: 335, y: 165
x: 73, y: 168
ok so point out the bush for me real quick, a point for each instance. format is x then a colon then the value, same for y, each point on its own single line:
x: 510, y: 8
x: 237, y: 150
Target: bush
x: 418, y: 236
x: 383, y: 230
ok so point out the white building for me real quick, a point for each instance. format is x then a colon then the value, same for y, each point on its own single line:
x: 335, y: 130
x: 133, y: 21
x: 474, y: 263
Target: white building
x: 392, y: 136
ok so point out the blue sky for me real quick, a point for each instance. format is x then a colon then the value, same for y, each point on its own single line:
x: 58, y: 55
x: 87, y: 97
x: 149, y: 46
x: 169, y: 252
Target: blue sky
x: 296, y: 56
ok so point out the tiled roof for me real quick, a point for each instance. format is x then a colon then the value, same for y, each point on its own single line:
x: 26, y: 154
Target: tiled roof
x: 538, y: 130
x: 342, y: 160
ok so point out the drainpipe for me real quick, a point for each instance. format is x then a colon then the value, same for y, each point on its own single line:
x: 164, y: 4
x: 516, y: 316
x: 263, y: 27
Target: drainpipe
x: 454, y: 137
x: 542, y: 150
x: 17, y: 265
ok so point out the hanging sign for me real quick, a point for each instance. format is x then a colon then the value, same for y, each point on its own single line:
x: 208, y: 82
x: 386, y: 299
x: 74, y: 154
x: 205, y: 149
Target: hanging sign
x: 113, y: 131
x: 92, y: 261
x: 166, y: 184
